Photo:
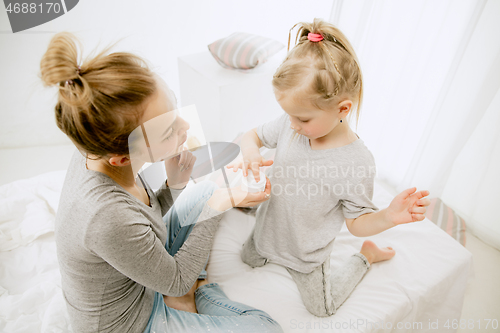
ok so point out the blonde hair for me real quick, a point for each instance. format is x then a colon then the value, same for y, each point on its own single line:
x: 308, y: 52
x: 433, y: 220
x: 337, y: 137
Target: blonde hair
x: 330, y: 67
x: 101, y: 101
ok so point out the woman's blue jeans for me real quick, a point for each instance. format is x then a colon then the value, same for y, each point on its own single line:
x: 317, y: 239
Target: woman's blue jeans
x: 216, y: 313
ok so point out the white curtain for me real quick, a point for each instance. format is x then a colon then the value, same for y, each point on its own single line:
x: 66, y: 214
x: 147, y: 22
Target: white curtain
x: 431, y: 112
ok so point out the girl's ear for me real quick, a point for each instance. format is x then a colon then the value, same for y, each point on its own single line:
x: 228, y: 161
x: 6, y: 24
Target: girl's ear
x: 119, y: 160
x: 345, y: 107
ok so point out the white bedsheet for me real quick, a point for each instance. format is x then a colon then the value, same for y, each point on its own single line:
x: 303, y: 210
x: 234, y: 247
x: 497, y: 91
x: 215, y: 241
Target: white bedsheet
x: 424, y: 283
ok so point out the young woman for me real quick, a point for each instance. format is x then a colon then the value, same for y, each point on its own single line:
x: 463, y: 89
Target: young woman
x: 129, y: 261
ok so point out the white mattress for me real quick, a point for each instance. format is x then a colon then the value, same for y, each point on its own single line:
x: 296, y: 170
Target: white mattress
x: 424, y: 283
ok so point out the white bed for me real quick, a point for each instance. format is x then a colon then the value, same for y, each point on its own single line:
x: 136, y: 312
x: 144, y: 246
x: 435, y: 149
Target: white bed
x: 424, y: 283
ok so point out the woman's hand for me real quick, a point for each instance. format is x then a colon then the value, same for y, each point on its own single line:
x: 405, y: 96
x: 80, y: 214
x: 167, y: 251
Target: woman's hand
x: 179, y: 169
x: 408, y: 207
x: 221, y: 200
x: 251, y: 159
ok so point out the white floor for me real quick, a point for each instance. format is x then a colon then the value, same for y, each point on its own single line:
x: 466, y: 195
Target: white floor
x: 482, y: 298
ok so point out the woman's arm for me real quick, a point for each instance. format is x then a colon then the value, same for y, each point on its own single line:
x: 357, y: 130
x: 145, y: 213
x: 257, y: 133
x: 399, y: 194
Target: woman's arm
x: 178, y: 169
x: 122, y: 236
x: 125, y: 239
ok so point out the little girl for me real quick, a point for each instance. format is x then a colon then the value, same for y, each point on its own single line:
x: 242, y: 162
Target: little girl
x: 322, y: 174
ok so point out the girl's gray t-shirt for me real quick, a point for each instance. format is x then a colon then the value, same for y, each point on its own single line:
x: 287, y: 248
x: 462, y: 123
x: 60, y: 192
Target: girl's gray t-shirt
x: 312, y: 192
x: 110, y: 248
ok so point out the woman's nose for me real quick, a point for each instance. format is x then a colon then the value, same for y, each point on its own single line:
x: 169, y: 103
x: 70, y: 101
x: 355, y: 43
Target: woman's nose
x: 184, y: 125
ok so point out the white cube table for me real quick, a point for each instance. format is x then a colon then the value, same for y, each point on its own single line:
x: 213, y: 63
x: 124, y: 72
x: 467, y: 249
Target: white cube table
x: 228, y: 101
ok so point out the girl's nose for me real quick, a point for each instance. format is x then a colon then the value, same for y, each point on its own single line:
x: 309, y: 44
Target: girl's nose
x: 294, y: 125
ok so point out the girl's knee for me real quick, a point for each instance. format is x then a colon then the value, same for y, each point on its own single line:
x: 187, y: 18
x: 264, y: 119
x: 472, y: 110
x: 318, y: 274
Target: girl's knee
x: 250, y: 256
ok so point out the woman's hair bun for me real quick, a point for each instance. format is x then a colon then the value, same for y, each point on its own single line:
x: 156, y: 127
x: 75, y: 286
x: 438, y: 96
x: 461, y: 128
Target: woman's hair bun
x: 60, y: 61
x: 102, y: 102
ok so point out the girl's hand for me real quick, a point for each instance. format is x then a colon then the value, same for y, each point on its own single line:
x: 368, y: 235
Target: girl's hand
x: 408, y: 206
x: 179, y: 169
x: 252, y: 160
x: 221, y: 200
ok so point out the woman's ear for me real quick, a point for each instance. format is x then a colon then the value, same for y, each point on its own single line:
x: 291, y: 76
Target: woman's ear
x: 119, y: 160
x: 345, y: 107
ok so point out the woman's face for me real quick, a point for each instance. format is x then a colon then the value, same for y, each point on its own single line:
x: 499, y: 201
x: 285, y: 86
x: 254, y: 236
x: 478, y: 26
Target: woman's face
x: 162, y: 132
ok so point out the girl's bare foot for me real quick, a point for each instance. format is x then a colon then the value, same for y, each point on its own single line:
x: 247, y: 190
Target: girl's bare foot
x: 183, y: 303
x: 375, y: 254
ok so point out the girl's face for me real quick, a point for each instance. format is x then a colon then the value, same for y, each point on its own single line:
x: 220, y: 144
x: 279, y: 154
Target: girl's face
x: 308, y: 120
x: 162, y: 132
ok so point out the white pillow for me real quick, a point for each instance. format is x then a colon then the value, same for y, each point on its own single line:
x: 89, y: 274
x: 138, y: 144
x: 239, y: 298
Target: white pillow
x: 243, y: 50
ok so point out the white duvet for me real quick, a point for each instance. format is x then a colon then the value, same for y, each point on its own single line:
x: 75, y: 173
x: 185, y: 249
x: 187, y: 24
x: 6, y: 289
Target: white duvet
x: 420, y: 290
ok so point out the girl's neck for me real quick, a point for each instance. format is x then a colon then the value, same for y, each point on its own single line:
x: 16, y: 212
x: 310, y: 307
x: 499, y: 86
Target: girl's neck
x: 341, y: 135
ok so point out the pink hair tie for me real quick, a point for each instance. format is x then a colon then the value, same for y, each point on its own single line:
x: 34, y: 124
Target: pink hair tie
x: 314, y: 37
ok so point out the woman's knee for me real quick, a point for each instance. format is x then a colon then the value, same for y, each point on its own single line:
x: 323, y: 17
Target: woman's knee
x: 196, y: 195
x: 199, y: 191
x: 189, y: 205
x: 271, y: 325
x: 207, y: 186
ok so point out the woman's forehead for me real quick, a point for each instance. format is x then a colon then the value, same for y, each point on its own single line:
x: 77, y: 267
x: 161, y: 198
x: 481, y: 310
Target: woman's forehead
x: 161, y: 102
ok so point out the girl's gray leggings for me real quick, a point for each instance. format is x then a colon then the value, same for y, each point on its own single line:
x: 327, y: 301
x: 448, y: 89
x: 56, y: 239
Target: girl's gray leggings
x: 322, y: 291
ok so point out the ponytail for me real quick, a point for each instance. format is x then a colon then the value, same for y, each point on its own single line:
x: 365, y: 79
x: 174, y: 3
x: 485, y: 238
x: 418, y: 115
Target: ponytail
x: 336, y: 73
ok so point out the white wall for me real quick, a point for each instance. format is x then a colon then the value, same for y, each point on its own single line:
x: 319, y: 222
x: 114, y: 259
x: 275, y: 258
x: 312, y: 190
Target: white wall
x: 159, y: 31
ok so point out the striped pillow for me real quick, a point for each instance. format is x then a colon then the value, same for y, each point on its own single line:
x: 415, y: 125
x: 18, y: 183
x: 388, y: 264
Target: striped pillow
x: 445, y: 218
x: 243, y: 50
